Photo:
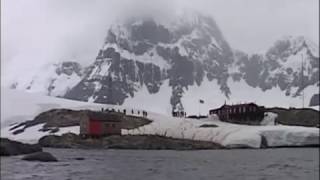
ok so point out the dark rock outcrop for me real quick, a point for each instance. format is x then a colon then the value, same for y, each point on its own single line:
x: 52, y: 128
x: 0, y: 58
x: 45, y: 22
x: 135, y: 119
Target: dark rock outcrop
x: 296, y: 116
x: 52, y: 119
x: 68, y: 140
x: 40, y: 156
x: 11, y: 148
x: 56, y: 118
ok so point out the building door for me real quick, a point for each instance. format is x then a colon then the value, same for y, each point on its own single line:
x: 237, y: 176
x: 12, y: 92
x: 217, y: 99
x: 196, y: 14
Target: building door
x: 95, y: 127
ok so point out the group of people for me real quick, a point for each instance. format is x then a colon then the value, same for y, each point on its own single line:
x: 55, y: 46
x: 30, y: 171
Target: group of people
x: 179, y: 114
x: 124, y: 111
x: 144, y: 113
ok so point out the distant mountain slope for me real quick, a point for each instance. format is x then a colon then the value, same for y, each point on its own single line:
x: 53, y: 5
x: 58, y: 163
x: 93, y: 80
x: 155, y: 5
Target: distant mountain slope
x: 291, y: 64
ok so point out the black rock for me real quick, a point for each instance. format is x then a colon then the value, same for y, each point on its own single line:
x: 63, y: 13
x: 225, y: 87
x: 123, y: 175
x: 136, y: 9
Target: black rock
x: 40, y: 156
x: 315, y: 100
x: 208, y: 125
x: 11, y: 148
x: 264, y: 142
x: 79, y: 158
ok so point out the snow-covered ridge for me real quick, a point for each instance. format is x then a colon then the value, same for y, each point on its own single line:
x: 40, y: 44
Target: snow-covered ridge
x: 28, y: 105
x: 51, y: 79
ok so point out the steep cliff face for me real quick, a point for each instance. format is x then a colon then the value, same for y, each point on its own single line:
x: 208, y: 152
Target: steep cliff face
x: 182, y: 54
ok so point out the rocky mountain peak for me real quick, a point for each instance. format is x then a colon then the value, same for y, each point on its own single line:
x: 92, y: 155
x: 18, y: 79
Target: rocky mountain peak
x: 292, y: 45
x: 149, y: 54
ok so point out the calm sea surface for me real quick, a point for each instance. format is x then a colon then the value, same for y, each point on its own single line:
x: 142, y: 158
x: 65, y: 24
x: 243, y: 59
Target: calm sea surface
x: 273, y: 164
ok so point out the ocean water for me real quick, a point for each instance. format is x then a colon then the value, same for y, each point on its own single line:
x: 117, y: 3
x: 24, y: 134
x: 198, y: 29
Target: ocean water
x: 241, y: 164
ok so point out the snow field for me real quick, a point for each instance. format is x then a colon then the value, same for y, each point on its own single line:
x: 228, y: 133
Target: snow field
x: 17, y: 106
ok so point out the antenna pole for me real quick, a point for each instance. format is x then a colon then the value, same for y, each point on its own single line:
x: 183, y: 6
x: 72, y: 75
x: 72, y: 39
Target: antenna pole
x: 302, y: 83
x: 199, y: 106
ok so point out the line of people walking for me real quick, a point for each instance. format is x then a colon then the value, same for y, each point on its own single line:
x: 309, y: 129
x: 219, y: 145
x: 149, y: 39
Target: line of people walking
x: 124, y: 111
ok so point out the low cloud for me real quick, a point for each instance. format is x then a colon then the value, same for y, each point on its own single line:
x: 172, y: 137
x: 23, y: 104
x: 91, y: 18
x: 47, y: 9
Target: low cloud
x: 41, y: 31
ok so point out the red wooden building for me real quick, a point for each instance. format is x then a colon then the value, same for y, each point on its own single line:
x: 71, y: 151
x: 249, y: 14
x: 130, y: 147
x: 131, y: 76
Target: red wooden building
x: 239, y: 113
x: 98, y: 124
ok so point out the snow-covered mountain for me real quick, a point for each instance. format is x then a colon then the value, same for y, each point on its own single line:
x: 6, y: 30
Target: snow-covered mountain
x: 164, y: 66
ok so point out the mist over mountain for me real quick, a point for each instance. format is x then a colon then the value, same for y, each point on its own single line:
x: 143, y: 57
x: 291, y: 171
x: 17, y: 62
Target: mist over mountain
x: 154, y: 56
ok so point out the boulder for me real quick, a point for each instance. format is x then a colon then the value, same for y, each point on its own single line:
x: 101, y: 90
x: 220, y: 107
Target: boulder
x: 67, y: 140
x: 40, y: 156
x: 264, y: 142
x: 11, y: 148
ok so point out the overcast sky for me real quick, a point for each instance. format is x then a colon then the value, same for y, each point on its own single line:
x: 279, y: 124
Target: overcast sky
x: 35, y: 31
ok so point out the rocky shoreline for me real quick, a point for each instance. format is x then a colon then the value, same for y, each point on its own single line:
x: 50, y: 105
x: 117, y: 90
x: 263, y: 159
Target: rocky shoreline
x: 12, y: 148
x: 147, y: 142
x: 136, y: 142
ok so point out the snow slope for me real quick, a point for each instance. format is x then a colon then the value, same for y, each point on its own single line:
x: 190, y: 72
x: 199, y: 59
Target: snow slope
x: 158, y: 102
x: 17, y: 106
x: 241, y: 93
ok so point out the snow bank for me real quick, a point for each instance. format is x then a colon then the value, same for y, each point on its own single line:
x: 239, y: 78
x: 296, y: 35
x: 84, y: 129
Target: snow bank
x: 229, y: 135
x: 269, y: 119
x: 19, y: 106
